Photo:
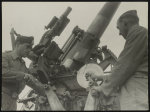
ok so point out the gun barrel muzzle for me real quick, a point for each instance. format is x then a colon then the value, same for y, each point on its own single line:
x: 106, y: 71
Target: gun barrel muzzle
x: 68, y: 10
x: 103, y: 18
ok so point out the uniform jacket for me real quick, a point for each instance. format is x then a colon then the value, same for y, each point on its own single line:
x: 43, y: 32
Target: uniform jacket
x: 13, y: 69
x: 133, y: 60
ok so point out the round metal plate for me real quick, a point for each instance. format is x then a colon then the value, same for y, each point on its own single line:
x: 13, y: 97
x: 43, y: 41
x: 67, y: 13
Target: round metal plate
x: 88, y: 68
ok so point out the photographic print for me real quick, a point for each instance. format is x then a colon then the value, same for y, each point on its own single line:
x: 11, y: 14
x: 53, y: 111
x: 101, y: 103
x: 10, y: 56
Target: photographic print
x: 74, y: 56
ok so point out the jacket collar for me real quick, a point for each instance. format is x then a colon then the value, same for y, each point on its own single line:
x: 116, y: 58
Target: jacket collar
x: 131, y: 29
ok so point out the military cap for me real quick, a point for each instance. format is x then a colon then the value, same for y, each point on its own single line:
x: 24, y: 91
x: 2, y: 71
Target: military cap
x: 130, y: 13
x: 25, y: 39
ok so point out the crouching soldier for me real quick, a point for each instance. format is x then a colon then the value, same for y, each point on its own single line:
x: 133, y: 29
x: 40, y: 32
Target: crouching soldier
x: 15, y: 74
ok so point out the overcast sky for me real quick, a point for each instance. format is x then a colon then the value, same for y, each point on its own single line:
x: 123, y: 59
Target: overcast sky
x: 29, y: 18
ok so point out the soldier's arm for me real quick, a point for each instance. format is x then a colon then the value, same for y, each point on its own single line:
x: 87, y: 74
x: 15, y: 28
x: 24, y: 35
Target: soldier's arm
x: 128, y: 61
x: 9, y: 75
x: 36, y: 85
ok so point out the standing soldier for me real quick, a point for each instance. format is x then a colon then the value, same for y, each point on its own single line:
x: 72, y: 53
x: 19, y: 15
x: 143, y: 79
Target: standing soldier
x: 130, y: 74
x: 15, y: 74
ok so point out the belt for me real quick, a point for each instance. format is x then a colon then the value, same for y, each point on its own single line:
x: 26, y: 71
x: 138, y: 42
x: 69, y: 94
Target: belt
x: 9, y: 92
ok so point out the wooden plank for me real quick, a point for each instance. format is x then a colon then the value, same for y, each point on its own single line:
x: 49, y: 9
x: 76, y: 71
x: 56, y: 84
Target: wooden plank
x: 53, y: 100
x: 92, y: 103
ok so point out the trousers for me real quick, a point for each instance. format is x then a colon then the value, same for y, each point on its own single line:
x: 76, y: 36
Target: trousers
x: 134, y: 94
x: 8, y: 103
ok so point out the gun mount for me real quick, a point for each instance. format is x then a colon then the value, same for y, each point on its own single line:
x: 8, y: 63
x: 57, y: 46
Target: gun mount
x: 80, y: 49
x: 80, y: 46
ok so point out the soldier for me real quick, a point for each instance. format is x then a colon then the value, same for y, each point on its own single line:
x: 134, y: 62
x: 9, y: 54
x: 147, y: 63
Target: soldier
x: 15, y: 74
x: 130, y: 74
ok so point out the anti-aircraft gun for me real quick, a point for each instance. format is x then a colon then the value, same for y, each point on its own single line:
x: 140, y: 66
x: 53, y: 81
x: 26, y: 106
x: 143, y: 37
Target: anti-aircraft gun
x: 67, y: 71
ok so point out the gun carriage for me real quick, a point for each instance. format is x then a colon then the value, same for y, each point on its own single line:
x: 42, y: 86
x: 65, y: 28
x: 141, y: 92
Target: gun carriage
x: 63, y: 71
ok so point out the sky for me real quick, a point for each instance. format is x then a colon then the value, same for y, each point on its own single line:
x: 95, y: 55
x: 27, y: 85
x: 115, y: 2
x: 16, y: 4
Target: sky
x: 29, y: 19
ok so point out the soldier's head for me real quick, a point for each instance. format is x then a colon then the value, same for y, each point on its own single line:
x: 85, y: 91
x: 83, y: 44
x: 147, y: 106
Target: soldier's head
x: 126, y: 21
x: 23, y: 45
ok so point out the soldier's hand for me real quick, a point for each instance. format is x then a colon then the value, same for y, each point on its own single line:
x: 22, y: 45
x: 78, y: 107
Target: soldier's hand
x: 28, y: 77
x: 95, y: 91
x: 94, y: 77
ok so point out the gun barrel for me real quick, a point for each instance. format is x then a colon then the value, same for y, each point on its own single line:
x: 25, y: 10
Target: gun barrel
x: 102, y: 19
x: 68, y: 10
x: 81, y: 52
